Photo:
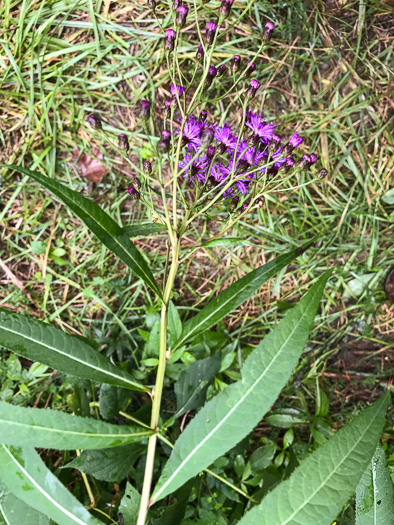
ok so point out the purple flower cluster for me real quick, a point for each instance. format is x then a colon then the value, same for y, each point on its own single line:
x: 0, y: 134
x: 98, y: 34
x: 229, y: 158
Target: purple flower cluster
x: 243, y: 161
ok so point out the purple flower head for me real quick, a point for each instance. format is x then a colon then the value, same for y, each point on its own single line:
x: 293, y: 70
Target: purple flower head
x: 253, y: 88
x: 313, y: 158
x: 224, y: 135
x: 259, y: 126
x: 203, y: 115
x: 192, y: 132
x: 134, y: 194
x: 210, y: 30
x: 268, y: 30
x: 222, y: 69
x: 170, y: 34
x: 295, y: 140
x: 250, y: 68
x: 195, y: 169
x: 94, y: 121
x: 175, y: 89
x: 169, y: 40
x: 286, y: 165
x: 147, y: 167
x: 182, y: 14
x: 144, y: 109
x: 210, y: 152
x: 212, y: 72
x: 167, y: 107
x: 225, y: 8
x: 165, y: 134
x: 235, y: 62
x: 123, y: 141
x: 200, y: 53
x: 176, y: 4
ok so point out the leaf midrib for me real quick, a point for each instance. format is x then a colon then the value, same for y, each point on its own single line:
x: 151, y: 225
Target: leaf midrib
x: 73, y: 358
x: 41, y: 490
x: 332, y: 473
x: 247, y: 393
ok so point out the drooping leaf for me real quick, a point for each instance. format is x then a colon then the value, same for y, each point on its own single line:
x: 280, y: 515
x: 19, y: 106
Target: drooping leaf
x: 51, y: 346
x: 15, y: 511
x: 192, y: 385
x: 99, y: 223
x: 143, y: 229
x: 322, y: 484
x: 112, y: 400
x: 233, y: 413
x: 41, y: 428
x: 110, y: 464
x: 129, y: 505
x: 25, y: 475
x: 374, y: 493
x: 234, y: 295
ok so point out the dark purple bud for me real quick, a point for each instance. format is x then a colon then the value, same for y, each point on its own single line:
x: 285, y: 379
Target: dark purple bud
x: 176, y: 4
x: 221, y: 148
x: 163, y: 146
x: 313, y: 158
x: 200, y: 53
x: 144, y: 109
x: 253, y: 139
x: 259, y: 202
x: 304, y: 162
x: 165, y: 135
x: 235, y: 63
x: 250, y: 68
x: 212, y: 72
x: 134, y: 194
x: 253, y: 88
x: 167, y: 108
x: 169, y: 40
x: 181, y: 16
x: 136, y: 182
x: 94, y: 121
x: 275, y: 141
x: 147, y: 167
x: 322, y: 173
x: 177, y: 89
x: 207, y: 137
x: 210, y: 30
x: 221, y: 70
x: 203, y: 115
x: 123, y: 142
x: 210, y: 152
x: 234, y: 203
x: 242, y: 166
x: 211, y: 182
x: 268, y: 30
x: 244, y: 207
x: 225, y: 8
x: 285, y: 167
x: 152, y: 5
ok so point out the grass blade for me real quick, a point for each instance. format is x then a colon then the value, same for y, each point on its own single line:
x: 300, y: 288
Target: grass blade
x: 40, y: 428
x: 99, y: 222
x: 232, y: 414
x: 322, y: 484
x: 46, y: 344
x: 25, y: 475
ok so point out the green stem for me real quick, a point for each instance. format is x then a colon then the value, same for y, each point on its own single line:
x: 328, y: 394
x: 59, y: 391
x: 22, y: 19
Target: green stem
x: 158, y: 390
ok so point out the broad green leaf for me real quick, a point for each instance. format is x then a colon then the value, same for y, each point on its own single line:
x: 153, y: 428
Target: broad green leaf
x: 99, y: 222
x: 15, y: 511
x: 112, y: 400
x: 51, y: 346
x: 374, y: 493
x: 143, y: 229
x: 322, y: 484
x: 174, y: 513
x: 41, y: 428
x: 233, y: 413
x: 25, y: 475
x: 192, y: 385
x: 287, y: 417
x: 129, y: 505
x: 110, y: 464
x: 235, y: 295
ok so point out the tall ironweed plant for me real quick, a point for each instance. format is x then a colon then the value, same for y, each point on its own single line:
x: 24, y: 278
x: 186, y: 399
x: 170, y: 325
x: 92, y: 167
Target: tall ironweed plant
x: 202, y: 167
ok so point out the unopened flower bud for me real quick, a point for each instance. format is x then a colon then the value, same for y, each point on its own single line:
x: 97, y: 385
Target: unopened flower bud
x: 253, y: 139
x: 251, y: 68
x: 294, y: 141
x: 134, y: 194
x: 259, y: 202
x: 285, y: 167
x: 235, y: 63
x: 275, y: 141
x: 304, y: 162
x: 94, y: 121
x: 136, y: 182
x: 210, y: 152
x: 203, y: 115
x: 211, y: 182
x: 234, y: 203
x: 225, y: 8
x: 123, y: 142
x: 147, y: 167
x: 268, y: 30
x: 242, y: 166
x: 221, y: 70
x: 181, y: 16
x: 169, y: 41
x: 165, y: 135
x: 210, y: 30
x: 163, y: 146
x: 207, y: 137
x: 152, y: 5
x: 252, y: 89
x: 212, y: 72
x: 200, y: 53
x: 177, y: 90
x: 144, y: 109
x: 244, y: 207
x: 313, y: 158
x: 322, y: 173
x: 167, y: 108
x: 221, y: 148
x: 176, y: 4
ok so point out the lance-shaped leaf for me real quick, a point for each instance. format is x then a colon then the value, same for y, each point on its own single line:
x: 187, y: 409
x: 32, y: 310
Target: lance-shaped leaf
x: 374, y: 494
x: 233, y: 413
x: 41, y: 428
x: 99, y: 222
x: 134, y: 230
x: 321, y: 485
x: 234, y: 295
x: 51, y: 346
x: 25, y: 475
x: 15, y: 511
